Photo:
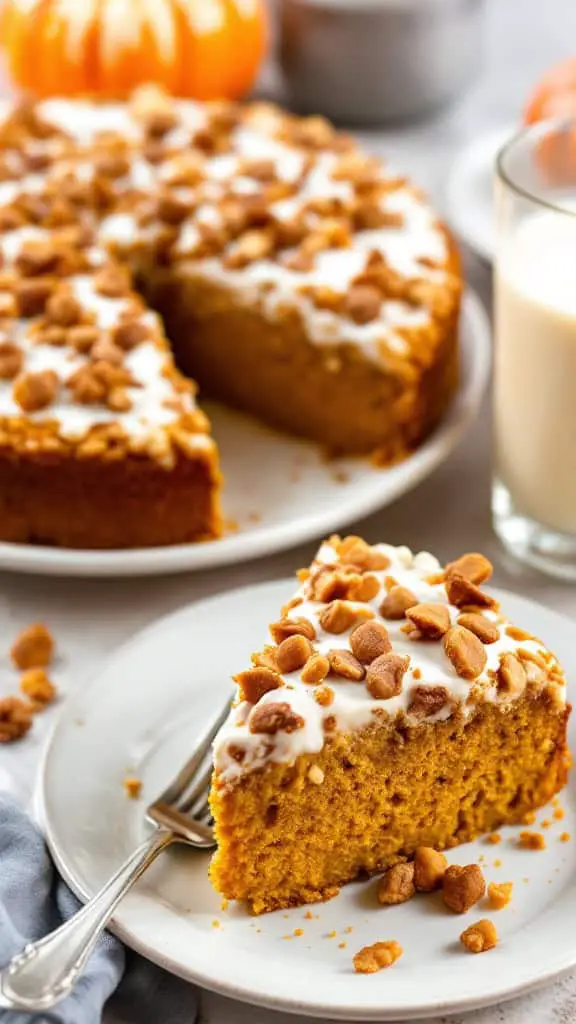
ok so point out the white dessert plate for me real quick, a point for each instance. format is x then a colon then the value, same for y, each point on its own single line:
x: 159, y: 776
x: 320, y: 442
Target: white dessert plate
x: 470, y: 188
x: 141, y: 717
x: 281, y: 491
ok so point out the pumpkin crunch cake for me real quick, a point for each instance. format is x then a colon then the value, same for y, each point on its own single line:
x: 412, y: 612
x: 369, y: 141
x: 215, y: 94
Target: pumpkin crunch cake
x: 297, y: 278
x: 397, y: 707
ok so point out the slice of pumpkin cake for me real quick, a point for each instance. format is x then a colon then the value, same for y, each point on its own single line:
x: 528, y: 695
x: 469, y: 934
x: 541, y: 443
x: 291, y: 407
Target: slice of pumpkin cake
x: 397, y: 707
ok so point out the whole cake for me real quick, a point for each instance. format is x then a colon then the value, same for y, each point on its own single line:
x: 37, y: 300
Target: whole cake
x: 396, y: 708
x: 296, y: 277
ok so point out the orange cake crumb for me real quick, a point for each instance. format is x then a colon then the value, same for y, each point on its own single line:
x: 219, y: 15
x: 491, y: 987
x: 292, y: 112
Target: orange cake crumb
x: 494, y: 838
x: 500, y: 894
x: 38, y: 687
x: 342, y: 945
x: 498, y: 863
x: 564, y: 838
x: 479, y: 937
x: 298, y: 932
x: 558, y: 814
x: 15, y: 719
x: 374, y: 958
x: 33, y: 647
x: 529, y: 818
x: 133, y: 787
x: 532, y: 841
x: 332, y: 934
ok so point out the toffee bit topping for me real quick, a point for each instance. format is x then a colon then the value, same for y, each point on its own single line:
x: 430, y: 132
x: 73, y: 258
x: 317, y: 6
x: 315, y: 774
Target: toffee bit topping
x: 461, y: 592
x: 462, y: 887
x: 384, y: 676
x: 429, y: 868
x: 427, y: 700
x: 369, y: 640
x: 11, y: 360
x: 291, y: 627
x: 397, y: 884
x: 473, y: 566
x: 35, y: 391
x: 465, y: 652
x: 483, y: 628
x: 339, y: 616
x: 33, y: 647
x: 15, y: 719
x: 343, y: 663
x: 293, y: 653
x: 479, y: 937
x: 316, y: 669
x: 374, y: 958
x: 511, y: 674
x: 257, y: 681
x: 397, y: 602
x: 273, y: 718
x: 432, y: 620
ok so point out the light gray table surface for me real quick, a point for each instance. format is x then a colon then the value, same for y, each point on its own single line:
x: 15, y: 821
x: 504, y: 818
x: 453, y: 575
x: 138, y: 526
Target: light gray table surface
x: 447, y: 513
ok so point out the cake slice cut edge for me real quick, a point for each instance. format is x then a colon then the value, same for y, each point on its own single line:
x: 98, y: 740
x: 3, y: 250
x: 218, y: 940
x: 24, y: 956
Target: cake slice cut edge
x: 397, y: 707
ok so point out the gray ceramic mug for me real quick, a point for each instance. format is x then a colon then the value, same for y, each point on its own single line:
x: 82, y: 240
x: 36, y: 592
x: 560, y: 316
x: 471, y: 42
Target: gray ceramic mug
x: 371, y: 61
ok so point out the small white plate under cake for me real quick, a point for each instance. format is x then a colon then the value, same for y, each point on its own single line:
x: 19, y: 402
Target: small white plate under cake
x: 140, y: 718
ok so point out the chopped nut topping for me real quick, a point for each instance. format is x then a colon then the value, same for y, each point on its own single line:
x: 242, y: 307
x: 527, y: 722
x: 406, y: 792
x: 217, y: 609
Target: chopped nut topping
x: 473, y: 566
x: 37, y: 686
x: 429, y: 868
x: 500, y: 894
x: 427, y: 700
x: 33, y: 647
x: 290, y: 627
x: 462, y: 887
x: 293, y: 653
x: 461, y: 592
x: 478, y: 624
x: 373, y: 958
x: 257, y: 681
x: 511, y: 674
x: 465, y: 651
x: 479, y: 937
x: 113, y: 282
x: 343, y: 663
x: 130, y: 333
x: 397, y: 884
x: 15, y: 719
x: 34, y: 391
x: 369, y: 640
x: 384, y: 676
x: 397, y: 602
x: 83, y: 337
x: 273, y: 718
x: 11, y: 360
x: 32, y: 294
x: 432, y: 620
x: 316, y: 669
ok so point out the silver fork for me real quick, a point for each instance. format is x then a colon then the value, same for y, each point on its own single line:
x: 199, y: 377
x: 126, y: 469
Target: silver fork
x: 45, y: 972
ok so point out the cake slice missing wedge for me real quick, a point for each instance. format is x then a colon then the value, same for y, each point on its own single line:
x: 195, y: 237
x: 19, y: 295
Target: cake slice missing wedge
x: 397, y: 707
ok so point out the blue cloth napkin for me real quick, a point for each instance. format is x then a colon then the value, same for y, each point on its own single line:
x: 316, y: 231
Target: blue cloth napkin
x: 34, y: 901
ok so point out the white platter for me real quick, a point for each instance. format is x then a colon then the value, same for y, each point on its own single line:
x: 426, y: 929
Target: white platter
x: 281, y: 491
x: 141, y: 716
x: 469, y: 192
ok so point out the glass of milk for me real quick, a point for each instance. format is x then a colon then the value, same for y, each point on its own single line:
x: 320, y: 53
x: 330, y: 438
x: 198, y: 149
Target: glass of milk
x: 534, y: 490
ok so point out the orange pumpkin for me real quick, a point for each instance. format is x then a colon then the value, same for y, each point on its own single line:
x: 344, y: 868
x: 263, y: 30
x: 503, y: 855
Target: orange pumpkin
x: 554, y: 95
x: 206, y: 49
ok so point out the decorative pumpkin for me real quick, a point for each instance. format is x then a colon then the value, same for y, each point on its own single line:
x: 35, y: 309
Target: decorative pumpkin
x: 206, y: 49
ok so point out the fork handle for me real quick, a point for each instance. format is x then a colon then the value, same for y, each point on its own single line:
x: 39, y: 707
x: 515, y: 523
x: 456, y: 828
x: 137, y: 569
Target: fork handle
x: 46, y: 971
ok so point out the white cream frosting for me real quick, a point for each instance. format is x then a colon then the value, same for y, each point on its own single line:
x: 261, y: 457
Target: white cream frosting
x: 353, y: 708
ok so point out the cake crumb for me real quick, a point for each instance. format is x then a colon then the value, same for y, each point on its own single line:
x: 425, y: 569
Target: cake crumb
x: 38, y: 688
x: 374, y: 958
x: 33, y: 647
x: 479, y: 937
x: 224, y: 904
x: 500, y: 894
x: 342, y: 945
x: 286, y: 915
x: 133, y: 787
x: 558, y: 814
x: 348, y: 929
x: 298, y: 932
x: 532, y: 841
x: 529, y: 818
x: 564, y: 838
x: 545, y: 823
x: 332, y: 935
x: 15, y: 719
x: 494, y: 838
x: 497, y: 863
x: 230, y: 526
x: 216, y: 923
x: 309, y: 916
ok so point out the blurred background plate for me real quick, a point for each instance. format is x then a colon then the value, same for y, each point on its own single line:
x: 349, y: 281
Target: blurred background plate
x: 280, y: 491
x: 469, y: 191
